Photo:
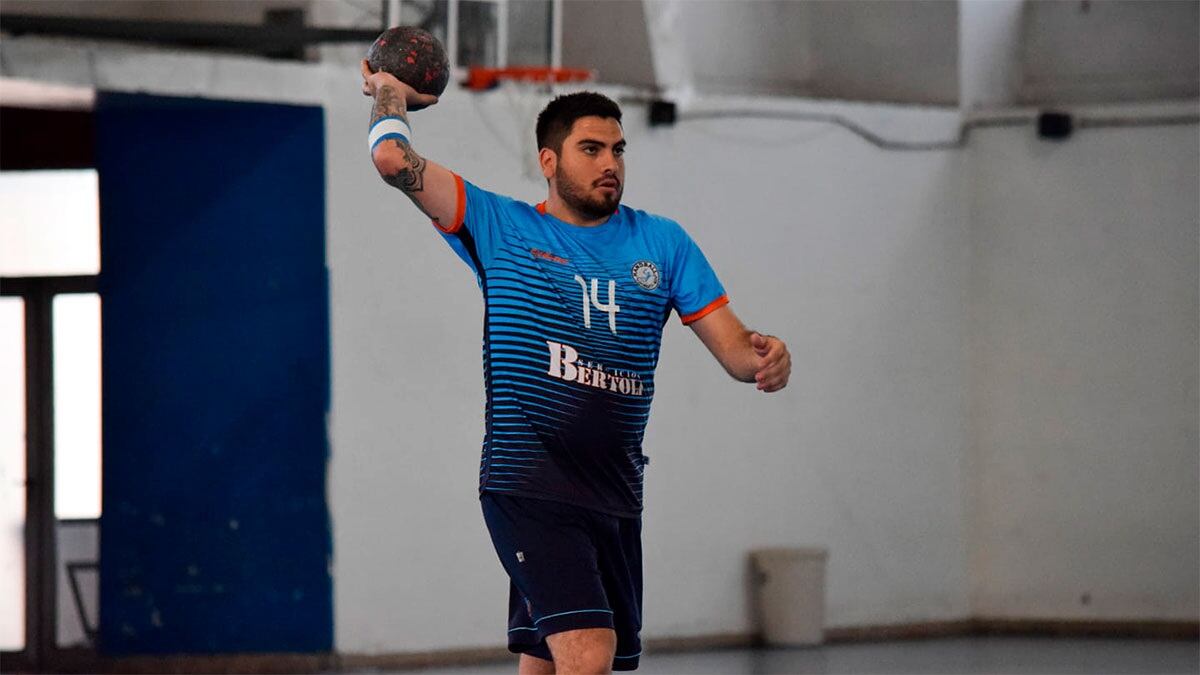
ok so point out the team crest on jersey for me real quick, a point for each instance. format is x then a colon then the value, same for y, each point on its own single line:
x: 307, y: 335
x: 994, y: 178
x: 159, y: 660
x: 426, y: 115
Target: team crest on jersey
x: 645, y: 273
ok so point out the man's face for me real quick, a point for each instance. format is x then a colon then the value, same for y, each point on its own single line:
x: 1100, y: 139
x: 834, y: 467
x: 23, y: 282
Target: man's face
x: 589, y: 173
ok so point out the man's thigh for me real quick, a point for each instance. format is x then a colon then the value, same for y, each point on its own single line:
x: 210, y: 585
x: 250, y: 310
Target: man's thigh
x: 583, y: 650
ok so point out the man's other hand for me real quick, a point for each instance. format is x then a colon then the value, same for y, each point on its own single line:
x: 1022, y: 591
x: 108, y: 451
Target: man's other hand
x: 748, y: 356
x: 774, y: 362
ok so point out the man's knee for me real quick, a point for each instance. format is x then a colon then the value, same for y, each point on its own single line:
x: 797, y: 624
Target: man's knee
x: 583, y: 651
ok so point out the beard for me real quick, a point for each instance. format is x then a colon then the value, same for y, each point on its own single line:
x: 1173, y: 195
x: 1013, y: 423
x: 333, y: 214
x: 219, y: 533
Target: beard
x: 581, y: 199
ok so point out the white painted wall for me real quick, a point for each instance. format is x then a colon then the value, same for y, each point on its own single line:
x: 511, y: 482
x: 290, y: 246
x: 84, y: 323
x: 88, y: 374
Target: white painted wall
x: 857, y: 258
x: 860, y: 258
x: 883, y: 50
x: 868, y: 50
x: 989, y: 52
x: 1085, y: 369
x: 744, y: 47
x: 1115, y: 50
x: 611, y: 38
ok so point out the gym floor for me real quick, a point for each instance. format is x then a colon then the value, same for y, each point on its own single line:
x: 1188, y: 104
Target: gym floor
x: 990, y: 655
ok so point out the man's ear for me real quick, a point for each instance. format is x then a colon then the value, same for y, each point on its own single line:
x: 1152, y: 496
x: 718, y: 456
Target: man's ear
x: 548, y: 159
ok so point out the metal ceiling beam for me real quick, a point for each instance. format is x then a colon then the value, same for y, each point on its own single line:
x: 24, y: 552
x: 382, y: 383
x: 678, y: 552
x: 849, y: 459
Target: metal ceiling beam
x: 241, y: 37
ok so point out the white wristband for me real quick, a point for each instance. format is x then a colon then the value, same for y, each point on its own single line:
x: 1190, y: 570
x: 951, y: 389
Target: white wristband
x: 385, y: 128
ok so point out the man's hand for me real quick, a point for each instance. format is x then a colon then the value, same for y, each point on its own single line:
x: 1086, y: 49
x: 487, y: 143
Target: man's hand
x: 373, y: 82
x: 774, y: 362
x: 746, y: 355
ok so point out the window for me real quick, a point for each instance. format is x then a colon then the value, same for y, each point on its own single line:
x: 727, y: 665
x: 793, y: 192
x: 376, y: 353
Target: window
x: 12, y: 473
x: 491, y: 33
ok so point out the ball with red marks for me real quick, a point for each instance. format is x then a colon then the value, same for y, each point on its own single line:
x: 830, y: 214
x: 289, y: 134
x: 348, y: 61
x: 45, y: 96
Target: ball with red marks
x: 414, y: 56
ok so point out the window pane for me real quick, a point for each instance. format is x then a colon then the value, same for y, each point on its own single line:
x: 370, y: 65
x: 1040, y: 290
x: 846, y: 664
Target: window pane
x: 12, y: 474
x: 476, y: 33
x: 77, y: 406
x: 78, y: 572
x: 529, y: 33
x: 50, y: 223
x: 428, y: 14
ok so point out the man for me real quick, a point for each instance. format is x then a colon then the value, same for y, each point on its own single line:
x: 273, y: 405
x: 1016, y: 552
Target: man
x: 576, y: 292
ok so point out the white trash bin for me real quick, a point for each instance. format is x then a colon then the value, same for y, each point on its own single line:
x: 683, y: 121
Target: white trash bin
x: 789, y: 594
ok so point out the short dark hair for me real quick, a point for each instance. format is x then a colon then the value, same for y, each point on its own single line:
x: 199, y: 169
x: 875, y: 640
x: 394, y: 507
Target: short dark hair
x: 555, y: 121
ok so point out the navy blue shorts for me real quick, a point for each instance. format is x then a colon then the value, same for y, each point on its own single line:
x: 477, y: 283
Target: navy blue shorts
x: 569, y: 568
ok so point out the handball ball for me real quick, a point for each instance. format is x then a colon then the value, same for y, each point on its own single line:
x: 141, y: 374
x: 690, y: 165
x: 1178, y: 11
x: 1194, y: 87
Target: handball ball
x: 413, y: 56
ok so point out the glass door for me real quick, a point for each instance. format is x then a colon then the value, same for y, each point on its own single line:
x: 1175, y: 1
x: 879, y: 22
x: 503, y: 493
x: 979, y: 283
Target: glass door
x: 12, y: 474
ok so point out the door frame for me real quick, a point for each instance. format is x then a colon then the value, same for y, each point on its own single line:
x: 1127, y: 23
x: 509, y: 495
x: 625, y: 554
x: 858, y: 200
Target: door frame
x: 41, y: 544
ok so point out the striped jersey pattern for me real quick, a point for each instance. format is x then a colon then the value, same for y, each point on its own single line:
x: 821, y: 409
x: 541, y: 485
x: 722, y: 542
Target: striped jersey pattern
x: 573, y: 320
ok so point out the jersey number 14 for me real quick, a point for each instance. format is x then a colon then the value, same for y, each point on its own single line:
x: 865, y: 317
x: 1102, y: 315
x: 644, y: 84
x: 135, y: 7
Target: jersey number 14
x: 611, y: 307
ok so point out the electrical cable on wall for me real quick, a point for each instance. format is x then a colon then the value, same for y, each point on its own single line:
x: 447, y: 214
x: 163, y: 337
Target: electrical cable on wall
x: 957, y: 143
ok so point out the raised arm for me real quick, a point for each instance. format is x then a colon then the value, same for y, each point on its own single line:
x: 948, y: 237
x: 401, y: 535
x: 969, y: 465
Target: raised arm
x: 432, y: 187
x: 746, y: 355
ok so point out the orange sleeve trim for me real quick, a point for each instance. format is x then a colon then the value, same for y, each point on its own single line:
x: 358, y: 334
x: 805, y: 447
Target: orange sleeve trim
x: 708, y: 309
x: 460, y: 210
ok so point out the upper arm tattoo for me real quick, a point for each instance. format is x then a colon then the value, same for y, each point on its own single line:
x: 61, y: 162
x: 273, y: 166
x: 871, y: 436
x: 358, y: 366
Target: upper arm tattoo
x: 410, y: 178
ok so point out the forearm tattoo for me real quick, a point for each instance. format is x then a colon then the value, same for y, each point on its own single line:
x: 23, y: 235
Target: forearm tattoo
x: 410, y: 177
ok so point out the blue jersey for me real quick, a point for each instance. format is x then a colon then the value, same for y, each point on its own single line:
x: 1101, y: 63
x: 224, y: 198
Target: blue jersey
x: 572, y: 328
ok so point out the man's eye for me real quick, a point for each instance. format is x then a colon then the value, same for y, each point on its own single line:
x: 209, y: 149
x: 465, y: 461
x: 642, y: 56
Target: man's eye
x: 618, y: 151
x: 591, y: 150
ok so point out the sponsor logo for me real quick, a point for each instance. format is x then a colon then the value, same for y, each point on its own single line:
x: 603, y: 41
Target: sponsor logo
x: 545, y: 255
x: 565, y: 365
x: 645, y: 273
x: 520, y: 556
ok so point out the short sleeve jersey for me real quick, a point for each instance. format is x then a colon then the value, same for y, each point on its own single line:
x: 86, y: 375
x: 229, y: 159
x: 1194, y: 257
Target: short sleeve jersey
x: 573, y: 320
